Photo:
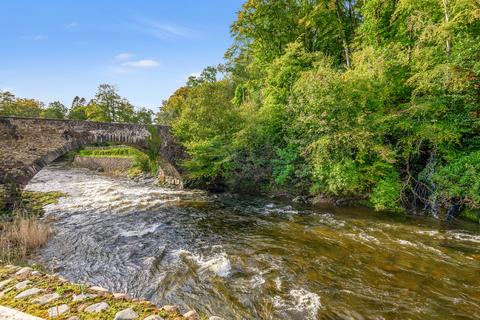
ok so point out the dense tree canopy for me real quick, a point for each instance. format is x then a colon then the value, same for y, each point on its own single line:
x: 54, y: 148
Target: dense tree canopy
x: 377, y: 100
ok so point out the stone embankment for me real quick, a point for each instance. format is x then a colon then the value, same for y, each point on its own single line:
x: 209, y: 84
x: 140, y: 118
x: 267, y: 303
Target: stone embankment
x: 111, y: 165
x: 29, y: 294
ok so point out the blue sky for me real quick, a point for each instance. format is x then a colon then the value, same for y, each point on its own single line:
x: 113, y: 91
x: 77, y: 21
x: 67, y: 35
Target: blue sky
x: 57, y: 49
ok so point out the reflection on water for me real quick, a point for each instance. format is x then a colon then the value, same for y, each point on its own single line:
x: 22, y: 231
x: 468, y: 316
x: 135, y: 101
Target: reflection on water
x: 244, y: 258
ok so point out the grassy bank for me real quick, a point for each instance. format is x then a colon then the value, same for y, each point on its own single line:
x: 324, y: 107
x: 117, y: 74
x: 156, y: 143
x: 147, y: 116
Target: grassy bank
x: 51, y: 284
x: 21, y: 232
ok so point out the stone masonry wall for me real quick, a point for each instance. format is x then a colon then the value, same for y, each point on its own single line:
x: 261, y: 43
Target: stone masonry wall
x: 109, y: 165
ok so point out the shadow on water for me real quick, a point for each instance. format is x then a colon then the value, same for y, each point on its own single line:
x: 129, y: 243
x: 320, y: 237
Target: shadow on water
x: 254, y: 258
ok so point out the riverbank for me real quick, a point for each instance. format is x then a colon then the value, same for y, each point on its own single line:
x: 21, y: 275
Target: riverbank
x: 52, y: 297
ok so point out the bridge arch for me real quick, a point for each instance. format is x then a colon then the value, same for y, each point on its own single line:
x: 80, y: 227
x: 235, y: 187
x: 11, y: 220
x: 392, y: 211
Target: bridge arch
x: 29, y: 144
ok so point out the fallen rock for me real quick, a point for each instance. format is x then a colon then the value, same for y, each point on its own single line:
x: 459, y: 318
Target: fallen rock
x: 22, y: 285
x: 37, y: 273
x: 28, y: 293
x: 215, y: 318
x: 154, y: 317
x: 74, y: 318
x: 127, y: 314
x: 83, y: 296
x: 97, y: 307
x: 47, y: 298
x: 169, y: 308
x: 58, y: 310
x: 24, y: 271
x: 191, y: 315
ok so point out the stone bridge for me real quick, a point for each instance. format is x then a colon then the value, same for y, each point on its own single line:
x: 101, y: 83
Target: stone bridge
x: 29, y: 144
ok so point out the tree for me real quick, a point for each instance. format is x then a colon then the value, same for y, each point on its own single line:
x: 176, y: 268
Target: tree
x: 55, y: 110
x: 77, y: 110
x: 13, y: 106
x: 209, y: 74
x: 144, y: 116
x: 109, y: 106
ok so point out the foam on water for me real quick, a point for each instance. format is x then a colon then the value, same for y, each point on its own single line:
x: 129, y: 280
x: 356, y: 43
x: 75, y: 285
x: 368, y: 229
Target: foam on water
x: 218, y: 264
x: 299, y: 301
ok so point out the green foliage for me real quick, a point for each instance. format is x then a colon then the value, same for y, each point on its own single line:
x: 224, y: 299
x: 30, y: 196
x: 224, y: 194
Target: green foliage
x: 206, y: 121
x: 378, y: 100
x: 114, y: 152
x: 34, y: 202
x: 13, y: 106
x: 460, y: 180
x: 472, y: 215
x: 55, y: 110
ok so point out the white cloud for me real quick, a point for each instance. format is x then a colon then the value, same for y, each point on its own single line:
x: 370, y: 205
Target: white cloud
x: 159, y: 30
x: 38, y: 37
x: 146, y: 63
x: 124, y: 56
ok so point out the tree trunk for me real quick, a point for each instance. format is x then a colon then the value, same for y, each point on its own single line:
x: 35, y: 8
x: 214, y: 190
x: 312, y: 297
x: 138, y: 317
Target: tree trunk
x: 447, y: 19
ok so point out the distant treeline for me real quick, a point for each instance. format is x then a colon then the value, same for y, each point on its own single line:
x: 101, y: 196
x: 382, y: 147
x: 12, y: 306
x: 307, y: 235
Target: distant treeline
x: 106, y: 106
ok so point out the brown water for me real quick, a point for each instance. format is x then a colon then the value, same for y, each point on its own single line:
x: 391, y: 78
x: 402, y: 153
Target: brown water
x: 254, y: 258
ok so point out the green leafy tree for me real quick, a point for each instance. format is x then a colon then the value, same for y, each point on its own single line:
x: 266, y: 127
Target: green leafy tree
x: 55, y: 110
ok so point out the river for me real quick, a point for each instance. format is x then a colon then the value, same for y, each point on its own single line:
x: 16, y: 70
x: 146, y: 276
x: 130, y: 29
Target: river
x: 255, y: 258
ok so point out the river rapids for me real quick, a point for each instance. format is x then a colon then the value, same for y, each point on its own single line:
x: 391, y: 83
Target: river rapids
x: 254, y: 258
